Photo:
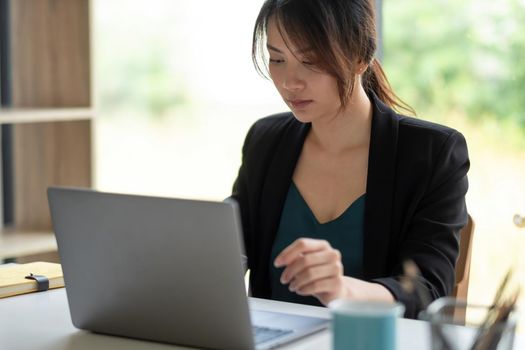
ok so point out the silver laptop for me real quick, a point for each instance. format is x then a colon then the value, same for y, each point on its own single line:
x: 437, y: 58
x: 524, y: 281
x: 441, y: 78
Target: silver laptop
x: 162, y: 269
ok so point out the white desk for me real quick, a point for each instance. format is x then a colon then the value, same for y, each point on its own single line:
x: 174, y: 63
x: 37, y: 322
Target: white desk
x: 41, y: 321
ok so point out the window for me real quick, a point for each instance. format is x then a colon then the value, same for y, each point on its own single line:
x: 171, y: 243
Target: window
x: 460, y: 62
x: 176, y: 97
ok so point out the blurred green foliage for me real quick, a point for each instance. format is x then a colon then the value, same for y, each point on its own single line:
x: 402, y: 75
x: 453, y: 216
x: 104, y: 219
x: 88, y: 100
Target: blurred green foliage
x: 141, y: 82
x: 461, y: 56
x: 137, y: 69
x: 441, y: 56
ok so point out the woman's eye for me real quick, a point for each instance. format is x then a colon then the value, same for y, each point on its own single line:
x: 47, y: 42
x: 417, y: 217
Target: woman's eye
x: 310, y: 64
x: 275, y: 60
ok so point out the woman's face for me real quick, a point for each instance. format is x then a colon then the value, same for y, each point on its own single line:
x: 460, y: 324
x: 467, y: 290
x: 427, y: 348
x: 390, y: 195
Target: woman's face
x: 311, y: 94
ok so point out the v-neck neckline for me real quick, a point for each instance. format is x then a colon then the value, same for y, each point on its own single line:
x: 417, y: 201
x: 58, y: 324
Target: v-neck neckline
x: 311, y: 213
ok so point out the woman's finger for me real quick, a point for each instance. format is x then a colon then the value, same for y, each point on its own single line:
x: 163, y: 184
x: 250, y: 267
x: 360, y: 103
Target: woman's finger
x: 316, y: 273
x: 332, y: 286
x: 298, y: 248
x: 327, y: 256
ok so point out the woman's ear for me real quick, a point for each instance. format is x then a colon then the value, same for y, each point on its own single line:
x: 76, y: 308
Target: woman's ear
x: 360, y: 68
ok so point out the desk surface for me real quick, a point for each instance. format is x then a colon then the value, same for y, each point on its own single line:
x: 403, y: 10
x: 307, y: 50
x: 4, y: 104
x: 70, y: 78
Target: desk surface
x: 41, y: 321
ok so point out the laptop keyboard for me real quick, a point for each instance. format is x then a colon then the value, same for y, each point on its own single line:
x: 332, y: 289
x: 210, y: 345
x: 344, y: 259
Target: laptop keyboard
x: 264, y: 334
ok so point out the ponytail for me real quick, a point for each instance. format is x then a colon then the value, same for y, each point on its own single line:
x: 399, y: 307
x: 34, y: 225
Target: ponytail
x: 374, y: 80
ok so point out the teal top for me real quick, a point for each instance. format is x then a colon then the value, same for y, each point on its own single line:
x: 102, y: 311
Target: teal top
x: 344, y: 233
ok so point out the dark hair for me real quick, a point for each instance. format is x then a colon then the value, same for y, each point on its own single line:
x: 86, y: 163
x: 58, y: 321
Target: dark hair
x: 338, y: 34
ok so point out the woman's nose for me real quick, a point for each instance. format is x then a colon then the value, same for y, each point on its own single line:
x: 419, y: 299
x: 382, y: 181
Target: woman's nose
x: 293, y: 81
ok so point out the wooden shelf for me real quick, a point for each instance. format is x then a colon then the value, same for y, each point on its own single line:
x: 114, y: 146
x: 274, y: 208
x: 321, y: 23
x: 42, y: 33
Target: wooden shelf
x: 37, y: 115
x: 49, y: 141
x: 23, y: 243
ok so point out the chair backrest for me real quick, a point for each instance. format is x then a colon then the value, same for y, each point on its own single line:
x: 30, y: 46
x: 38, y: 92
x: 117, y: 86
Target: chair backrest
x: 463, y: 267
x: 463, y: 263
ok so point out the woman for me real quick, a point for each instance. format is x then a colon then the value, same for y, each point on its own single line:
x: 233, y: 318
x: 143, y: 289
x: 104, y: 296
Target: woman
x: 337, y: 194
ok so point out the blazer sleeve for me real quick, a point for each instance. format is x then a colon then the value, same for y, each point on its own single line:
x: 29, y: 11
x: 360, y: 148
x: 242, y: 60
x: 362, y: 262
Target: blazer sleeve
x: 431, y: 240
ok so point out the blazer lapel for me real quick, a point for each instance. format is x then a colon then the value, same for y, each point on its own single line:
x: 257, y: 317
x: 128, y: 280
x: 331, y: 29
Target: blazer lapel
x: 379, y: 188
x: 275, y: 189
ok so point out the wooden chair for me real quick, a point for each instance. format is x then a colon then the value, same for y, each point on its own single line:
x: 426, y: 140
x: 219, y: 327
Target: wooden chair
x: 463, y: 268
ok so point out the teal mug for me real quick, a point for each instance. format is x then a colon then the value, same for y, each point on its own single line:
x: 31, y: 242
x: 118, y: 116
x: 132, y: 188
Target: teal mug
x: 364, y: 325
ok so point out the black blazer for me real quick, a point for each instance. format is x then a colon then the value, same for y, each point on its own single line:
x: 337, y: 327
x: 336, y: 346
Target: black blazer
x: 415, y: 198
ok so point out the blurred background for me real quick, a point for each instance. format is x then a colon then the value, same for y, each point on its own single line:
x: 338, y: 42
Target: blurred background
x: 175, y: 93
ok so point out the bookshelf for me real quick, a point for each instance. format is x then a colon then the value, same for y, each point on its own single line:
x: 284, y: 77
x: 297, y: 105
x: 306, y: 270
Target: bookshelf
x: 40, y: 115
x: 46, y: 115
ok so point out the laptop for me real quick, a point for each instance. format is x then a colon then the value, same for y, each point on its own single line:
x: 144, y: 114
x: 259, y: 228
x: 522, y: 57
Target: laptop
x: 162, y: 269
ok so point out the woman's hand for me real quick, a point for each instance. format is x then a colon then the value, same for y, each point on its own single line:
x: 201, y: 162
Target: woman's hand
x: 314, y: 267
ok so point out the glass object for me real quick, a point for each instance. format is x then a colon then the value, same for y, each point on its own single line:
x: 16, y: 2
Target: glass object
x: 519, y: 220
x: 449, y: 332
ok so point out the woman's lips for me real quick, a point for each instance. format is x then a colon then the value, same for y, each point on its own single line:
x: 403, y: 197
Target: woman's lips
x: 300, y: 104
